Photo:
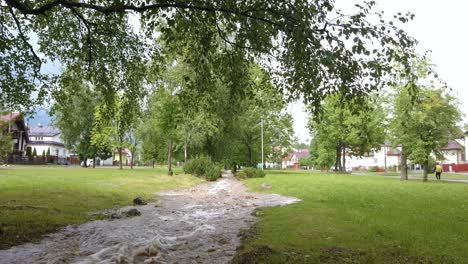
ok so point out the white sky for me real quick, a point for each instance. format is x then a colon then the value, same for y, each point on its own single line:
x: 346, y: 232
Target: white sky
x: 439, y: 26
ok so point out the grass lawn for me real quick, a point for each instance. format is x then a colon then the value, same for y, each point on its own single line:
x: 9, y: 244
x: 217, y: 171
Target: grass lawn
x: 37, y: 200
x: 356, y: 219
x: 445, y: 175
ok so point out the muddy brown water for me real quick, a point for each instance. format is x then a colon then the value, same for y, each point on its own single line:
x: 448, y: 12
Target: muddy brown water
x: 196, y: 225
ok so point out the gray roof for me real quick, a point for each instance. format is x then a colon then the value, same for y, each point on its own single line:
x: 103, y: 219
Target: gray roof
x: 45, y: 131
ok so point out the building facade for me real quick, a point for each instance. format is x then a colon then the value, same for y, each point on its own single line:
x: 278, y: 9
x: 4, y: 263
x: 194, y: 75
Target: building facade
x: 13, y: 123
x: 45, y: 139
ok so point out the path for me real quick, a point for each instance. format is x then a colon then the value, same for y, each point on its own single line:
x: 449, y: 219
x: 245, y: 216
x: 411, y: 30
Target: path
x: 196, y: 225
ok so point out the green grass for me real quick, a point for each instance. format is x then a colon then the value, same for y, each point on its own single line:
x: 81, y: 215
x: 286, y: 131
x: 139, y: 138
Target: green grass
x: 356, y: 219
x: 37, y: 200
x: 445, y: 175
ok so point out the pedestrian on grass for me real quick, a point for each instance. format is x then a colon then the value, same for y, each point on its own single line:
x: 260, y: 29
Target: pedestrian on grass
x: 438, y: 170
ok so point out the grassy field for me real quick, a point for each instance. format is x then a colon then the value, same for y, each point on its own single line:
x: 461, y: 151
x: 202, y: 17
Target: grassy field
x: 445, y: 175
x: 38, y: 200
x: 356, y: 219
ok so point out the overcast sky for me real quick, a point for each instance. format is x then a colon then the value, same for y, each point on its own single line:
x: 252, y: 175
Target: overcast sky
x: 439, y: 26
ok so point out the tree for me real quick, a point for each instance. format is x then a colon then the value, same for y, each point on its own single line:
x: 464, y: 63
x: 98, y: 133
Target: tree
x: 6, y: 142
x: 165, y: 112
x: 34, y: 153
x: 423, y: 122
x: 316, y: 48
x: 73, y: 111
x: 346, y: 127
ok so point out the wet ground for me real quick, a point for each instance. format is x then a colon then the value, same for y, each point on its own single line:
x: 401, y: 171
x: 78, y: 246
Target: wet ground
x: 196, y: 225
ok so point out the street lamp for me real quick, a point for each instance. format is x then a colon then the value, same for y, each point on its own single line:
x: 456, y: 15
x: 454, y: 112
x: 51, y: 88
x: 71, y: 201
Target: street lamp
x: 263, y: 165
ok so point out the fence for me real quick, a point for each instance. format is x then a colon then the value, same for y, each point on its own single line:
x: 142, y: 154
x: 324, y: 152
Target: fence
x: 455, y: 167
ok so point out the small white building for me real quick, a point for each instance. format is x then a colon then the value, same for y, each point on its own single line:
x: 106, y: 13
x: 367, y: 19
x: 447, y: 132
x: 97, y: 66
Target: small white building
x: 43, y: 138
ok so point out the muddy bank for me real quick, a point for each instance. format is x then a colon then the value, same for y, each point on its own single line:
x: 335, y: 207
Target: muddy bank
x: 196, y: 225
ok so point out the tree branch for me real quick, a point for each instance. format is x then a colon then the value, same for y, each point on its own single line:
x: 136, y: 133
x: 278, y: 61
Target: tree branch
x: 123, y: 8
x: 23, y: 38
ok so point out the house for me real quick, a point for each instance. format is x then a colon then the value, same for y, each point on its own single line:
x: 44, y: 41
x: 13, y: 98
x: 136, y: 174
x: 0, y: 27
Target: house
x: 454, y: 154
x: 292, y: 160
x: 43, y: 138
x: 114, y: 160
x: 383, y: 157
x: 14, y: 124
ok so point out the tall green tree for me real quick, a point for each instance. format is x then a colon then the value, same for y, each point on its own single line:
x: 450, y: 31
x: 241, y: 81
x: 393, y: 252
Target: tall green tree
x: 423, y: 121
x: 73, y: 111
x: 346, y: 127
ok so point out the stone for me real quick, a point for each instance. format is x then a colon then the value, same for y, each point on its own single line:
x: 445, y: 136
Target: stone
x: 132, y: 212
x: 265, y: 186
x: 139, y: 201
x: 115, y: 216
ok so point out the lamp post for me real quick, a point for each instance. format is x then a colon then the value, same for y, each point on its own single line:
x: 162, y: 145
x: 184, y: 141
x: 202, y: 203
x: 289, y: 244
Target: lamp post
x: 263, y: 165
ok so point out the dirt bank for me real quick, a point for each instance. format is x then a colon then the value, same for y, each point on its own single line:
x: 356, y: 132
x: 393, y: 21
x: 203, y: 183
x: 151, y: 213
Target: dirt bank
x: 196, y: 225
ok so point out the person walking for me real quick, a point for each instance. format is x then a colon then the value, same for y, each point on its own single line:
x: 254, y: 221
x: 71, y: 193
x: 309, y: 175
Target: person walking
x: 438, y: 170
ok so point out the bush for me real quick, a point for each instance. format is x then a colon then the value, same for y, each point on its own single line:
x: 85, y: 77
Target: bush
x: 213, y: 172
x: 373, y: 168
x: 247, y: 173
x: 203, y: 166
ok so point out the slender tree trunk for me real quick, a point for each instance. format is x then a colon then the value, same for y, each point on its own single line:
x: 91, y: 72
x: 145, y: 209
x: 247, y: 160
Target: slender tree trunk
x: 426, y: 169
x: 153, y: 163
x: 169, y: 158
x: 185, y: 151
x: 120, y: 158
x: 85, y: 162
x: 94, y: 161
x: 338, y: 158
x: 404, y: 165
x: 343, y: 169
x: 131, y: 162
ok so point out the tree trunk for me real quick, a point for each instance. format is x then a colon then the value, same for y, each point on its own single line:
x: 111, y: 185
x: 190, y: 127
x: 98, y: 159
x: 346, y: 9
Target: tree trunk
x: 85, y: 162
x: 185, y: 151
x: 131, y: 162
x: 153, y: 163
x: 249, y: 157
x: 338, y: 158
x: 426, y: 169
x: 404, y: 165
x: 120, y: 158
x: 169, y: 158
x: 343, y: 165
x: 94, y: 162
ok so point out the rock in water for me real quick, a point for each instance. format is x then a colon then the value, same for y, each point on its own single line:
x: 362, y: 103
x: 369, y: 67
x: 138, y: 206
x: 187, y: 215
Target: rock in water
x: 265, y: 186
x: 139, y: 201
x: 132, y: 212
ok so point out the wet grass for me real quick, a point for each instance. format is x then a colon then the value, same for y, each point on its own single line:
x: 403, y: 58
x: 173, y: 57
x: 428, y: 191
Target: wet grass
x: 38, y: 200
x: 356, y: 219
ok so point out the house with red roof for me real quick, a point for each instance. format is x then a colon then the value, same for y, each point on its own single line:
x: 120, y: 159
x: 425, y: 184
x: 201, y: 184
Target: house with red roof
x: 292, y: 160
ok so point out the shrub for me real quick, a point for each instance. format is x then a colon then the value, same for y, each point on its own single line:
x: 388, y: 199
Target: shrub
x: 203, y: 166
x: 373, y: 168
x: 250, y: 173
x: 213, y: 172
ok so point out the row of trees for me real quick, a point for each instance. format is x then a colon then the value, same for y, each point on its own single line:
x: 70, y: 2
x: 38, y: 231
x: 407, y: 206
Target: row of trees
x: 420, y: 117
x: 175, y: 121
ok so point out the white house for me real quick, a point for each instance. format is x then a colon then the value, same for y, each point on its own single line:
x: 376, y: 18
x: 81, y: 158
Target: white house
x: 454, y: 153
x: 43, y: 138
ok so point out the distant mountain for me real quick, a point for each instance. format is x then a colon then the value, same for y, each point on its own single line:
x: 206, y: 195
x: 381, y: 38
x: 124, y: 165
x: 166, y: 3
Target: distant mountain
x: 40, y: 115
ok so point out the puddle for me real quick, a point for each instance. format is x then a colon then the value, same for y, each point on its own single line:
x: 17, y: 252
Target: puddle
x: 196, y: 225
